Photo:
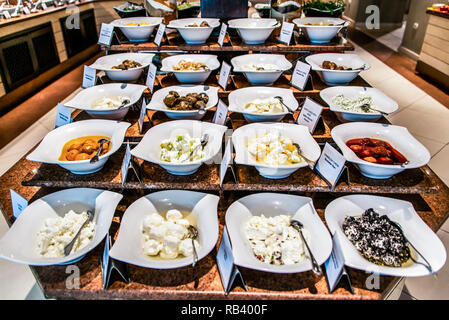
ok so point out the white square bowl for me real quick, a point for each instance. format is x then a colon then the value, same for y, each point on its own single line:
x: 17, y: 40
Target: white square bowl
x: 86, y: 97
x: 137, y: 33
x: 298, y: 133
x: 200, y: 76
x: 239, y: 98
x: 254, y: 31
x: 157, y: 101
x: 129, y: 243
x: 50, y: 148
x: 19, y: 244
x: 399, y: 138
x: 380, y: 101
x: 337, y: 77
x: 262, y: 76
x: 402, y: 212
x: 194, y: 35
x: 149, y: 148
x: 321, y: 34
x: 106, y: 63
x: 274, y: 204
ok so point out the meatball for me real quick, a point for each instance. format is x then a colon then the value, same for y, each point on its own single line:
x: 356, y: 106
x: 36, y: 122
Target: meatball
x: 71, y: 154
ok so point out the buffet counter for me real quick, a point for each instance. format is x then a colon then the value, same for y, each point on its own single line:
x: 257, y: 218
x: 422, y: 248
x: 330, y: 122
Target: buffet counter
x: 434, y: 58
x: 413, y: 181
x: 428, y: 194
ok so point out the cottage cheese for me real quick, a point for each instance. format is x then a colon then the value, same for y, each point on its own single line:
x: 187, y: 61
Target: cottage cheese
x: 270, y: 105
x: 273, y: 149
x: 58, y: 232
x: 108, y: 103
x: 354, y: 104
x: 260, y: 67
x: 274, y: 241
x: 178, y: 149
x: 167, y: 237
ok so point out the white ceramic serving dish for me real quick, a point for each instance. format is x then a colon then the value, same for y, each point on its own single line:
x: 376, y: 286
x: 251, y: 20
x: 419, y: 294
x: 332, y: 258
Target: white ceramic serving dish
x: 149, y: 148
x: 106, y: 63
x: 128, y: 246
x: 19, y: 244
x: 49, y: 150
x: 157, y: 101
x: 402, y: 212
x: 270, y: 205
x: 136, y: 33
x: 337, y: 77
x: 262, y: 76
x: 298, y: 133
x: 239, y: 98
x: 209, y: 60
x: 194, y: 35
x: 86, y: 97
x: 380, y: 101
x: 321, y: 34
x: 399, y: 138
x: 254, y: 31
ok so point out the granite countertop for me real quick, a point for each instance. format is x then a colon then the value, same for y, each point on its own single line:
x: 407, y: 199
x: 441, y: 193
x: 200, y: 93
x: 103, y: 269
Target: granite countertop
x: 428, y: 194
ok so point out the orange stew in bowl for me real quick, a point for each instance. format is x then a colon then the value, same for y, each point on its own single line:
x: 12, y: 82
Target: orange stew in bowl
x: 376, y: 151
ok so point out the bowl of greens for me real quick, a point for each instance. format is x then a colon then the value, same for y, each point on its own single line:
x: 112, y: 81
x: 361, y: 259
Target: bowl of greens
x: 319, y: 8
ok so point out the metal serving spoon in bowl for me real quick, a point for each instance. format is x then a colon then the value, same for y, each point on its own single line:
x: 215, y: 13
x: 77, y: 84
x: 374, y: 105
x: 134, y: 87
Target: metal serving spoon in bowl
x: 281, y: 100
x: 193, y: 234
x: 68, y: 248
x: 367, y: 107
x: 204, y: 140
x: 124, y: 103
x: 96, y: 157
x: 315, y: 266
x: 312, y: 163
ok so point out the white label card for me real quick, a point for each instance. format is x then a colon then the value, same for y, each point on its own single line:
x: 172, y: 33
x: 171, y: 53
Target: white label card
x: 126, y: 162
x: 6, y: 14
x: 335, y: 265
x: 26, y: 10
x: 44, y: 6
x: 89, y: 77
x: 222, y: 35
x: 300, y: 75
x: 143, y: 110
x: 105, y: 261
x: 310, y: 114
x: 225, y: 72
x: 330, y: 164
x: 159, y: 34
x: 227, y: 158
x: 286, y: 32
x: 225, y: 260
x: 106, y: 33
x: 63, y: 116
x: 19, y: 203
x: 221, y: 113
x: 151, y: 77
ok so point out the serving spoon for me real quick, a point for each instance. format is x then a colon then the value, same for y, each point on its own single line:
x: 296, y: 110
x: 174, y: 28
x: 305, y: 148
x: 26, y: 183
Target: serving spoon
x: 193, y: 234
x: 204, y: 140
x: 315, y: 266
x: 281, y: 100
x: 366, y: 107
x: 124, y: 103
x: 427, y: 264
x: 312, y: 163
x: 68, y: 248
x: 202, y: 110
x: 96, y: 157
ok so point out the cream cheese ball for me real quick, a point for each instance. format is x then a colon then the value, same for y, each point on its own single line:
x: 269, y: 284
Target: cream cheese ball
x: 274, y: 241
x: 167, y: 237
x: 57, y: 233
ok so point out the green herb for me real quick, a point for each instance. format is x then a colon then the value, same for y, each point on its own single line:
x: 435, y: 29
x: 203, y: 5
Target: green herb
x: 325, y: 6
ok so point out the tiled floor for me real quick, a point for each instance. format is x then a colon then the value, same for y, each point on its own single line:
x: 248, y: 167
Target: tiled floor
x: 17, y: 282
